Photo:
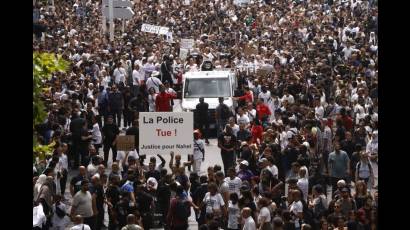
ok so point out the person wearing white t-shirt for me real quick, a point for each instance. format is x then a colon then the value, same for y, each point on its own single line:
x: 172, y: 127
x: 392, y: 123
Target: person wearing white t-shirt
x: 251, y: 112
x: 136, y: 80
x: 233, y: 212
x: 96, y: 135
x: 235, y: 127
x: 214, y: 202
x: 119, y: 74
x: 303, y: 183
x: 265, y: 95
x: 199, y: 152
x: 296, y: 208
x: 264, y: 216
x: 319, y: 110
x: 79, y: 225
x: 154, y: 81
x: 347, y: 51
x: 249, y: 223
x: 243, y: 118
x: 287, y: 97
x: 122, y: 157
x: 233, y: 182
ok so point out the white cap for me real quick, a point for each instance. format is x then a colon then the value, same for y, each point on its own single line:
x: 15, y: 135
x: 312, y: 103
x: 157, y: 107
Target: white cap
x: 245, y: 162
x: 152, y: 182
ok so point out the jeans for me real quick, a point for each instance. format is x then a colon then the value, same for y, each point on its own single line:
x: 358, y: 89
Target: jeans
x: 106, y: 150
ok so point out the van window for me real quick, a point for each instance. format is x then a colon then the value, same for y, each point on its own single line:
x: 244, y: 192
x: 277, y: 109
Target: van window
x: 207, y: 87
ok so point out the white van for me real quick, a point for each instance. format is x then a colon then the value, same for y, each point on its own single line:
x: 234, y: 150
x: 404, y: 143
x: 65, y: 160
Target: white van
x: 210, y: 85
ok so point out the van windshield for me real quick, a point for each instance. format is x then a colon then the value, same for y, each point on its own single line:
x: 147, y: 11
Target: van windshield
x: 207, y: 87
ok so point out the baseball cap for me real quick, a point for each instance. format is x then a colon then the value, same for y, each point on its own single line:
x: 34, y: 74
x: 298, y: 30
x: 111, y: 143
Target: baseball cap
x: 245, y: 162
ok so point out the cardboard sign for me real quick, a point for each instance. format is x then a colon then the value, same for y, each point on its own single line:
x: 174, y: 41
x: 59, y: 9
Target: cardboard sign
x: 154, y: 29
x: 126, y: 143
x: 163, y: 132
x: 249, y: 50
x: 187, y: 43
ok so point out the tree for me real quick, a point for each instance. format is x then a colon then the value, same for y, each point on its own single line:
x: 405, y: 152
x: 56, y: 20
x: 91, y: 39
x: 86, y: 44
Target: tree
x: 44, y: 65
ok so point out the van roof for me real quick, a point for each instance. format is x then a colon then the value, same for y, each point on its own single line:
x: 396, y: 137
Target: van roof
x: 208, y: 74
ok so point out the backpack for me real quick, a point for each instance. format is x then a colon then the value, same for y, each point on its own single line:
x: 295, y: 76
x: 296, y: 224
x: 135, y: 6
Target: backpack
x: 225, y: 112
x: 182, y: 210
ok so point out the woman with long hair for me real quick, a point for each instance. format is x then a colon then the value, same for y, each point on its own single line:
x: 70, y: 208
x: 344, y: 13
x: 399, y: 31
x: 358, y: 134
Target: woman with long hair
x: 264, y: 217
x: 361, y: 194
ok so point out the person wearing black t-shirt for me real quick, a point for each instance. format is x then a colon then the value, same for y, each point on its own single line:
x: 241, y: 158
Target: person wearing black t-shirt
x: 97, y: 191
x: 152, y: 172
x: 134, y: 130
x: 75, y: 183
x: 227, y: 143
x: 144, y: 203
x: 113, y: 197
x: 110, y: 133
x: 84, y: 144
x: 76, y: 125
x: 202, y: 118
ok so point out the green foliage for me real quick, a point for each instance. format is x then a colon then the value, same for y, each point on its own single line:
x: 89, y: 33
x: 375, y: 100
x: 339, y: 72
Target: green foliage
x: 44, y: 65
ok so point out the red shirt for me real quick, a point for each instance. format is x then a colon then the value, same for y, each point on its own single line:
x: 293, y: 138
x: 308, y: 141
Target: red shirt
x: 162, y: 102
x: 263, y: 110
x: 256, y: 131
x: 347, y: 122
x: 247, y: 97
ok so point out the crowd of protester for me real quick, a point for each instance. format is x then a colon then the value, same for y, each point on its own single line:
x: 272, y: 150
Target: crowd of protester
x: 305, y: 120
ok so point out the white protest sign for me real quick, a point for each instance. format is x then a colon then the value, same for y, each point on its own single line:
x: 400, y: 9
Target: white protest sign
x: 154, y: 29
x: 163, y: 132
x: 183, y: 53
x: 169, y: 37
x: 187, y: 43
x: 240, y: 2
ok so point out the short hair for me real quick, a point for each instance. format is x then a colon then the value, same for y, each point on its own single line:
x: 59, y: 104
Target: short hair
x: 203, y: 179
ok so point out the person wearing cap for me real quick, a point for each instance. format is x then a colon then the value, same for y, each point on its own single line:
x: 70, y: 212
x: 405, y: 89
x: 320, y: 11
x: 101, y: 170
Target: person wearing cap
x: 153, y: 81
x: 199, y: 151
x: 244, y: 173
x: 84, y: 204
x: 346, y: 202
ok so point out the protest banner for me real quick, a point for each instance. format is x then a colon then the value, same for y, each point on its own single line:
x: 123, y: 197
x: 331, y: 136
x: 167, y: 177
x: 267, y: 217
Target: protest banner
x: 187, y: 43
x: 240, y: 2
x: 154, y: 29
x: 183, y: 53
x: 163, y: 132
x: 126, y: 143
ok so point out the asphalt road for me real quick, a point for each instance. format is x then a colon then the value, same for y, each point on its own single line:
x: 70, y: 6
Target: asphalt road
x: 212, y: 157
